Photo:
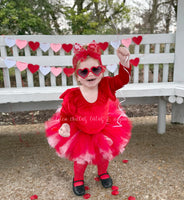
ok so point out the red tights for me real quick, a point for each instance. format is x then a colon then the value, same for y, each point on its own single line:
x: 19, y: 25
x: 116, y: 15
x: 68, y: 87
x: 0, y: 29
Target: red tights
x: 79, y: 170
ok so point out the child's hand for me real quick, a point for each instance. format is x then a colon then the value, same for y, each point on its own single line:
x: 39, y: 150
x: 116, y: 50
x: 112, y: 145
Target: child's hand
x: 64, y: 130
x: 123, y: 54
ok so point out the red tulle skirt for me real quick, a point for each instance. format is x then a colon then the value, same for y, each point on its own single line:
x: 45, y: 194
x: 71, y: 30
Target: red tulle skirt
x: 91, y: 148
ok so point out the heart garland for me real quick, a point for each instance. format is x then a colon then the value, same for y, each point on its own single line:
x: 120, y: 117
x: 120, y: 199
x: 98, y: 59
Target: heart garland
x: 10, y: 42
x: 21, y: 65
x: 104, y: 45
x: 68, y: 71
x: 112, y: 68
x: 115, y: 44
x: 33, y: 68
x: 34, y: 45
x: 21, y: 43
x: 134, y: 62
x: 45, y: 70
x: 44, y: 46
x: 126, y: 42
x: 9, y: 63
x: 56, y: 70
x: 67, y: 47
x: 137, y: 40
x: 55, y: 47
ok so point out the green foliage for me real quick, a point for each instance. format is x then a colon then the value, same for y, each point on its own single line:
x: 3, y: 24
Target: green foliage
x: 42, y: 17
x: 96, y: 16
x: 27, y: 17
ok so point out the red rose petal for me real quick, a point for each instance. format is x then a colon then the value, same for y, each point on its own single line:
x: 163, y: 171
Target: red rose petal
x: 131, y: 198
x: 34, y: 197
x: 86, y: 188
x: 86, y: 196
x: 97, y: 179
x: 115, y: 192
x: 125, y: 161
x: 115, y: 187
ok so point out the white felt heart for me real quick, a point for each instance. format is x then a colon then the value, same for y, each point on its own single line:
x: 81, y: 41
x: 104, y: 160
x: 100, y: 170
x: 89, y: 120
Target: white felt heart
x: 126, y: 42
x: 44, y: 46
x: 45, y: 70
x: 115, y: 44
x: 10, y: 42
x: 56, y: 70
x: 112, y: 68
x: 9, y: 63
x: 21, y: 65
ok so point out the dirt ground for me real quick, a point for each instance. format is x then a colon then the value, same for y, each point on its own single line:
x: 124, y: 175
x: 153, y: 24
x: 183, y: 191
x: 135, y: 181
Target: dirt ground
x: 155, y: 168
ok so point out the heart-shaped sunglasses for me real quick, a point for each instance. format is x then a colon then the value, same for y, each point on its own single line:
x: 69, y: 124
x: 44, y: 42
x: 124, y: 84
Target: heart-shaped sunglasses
x: 96, y: 70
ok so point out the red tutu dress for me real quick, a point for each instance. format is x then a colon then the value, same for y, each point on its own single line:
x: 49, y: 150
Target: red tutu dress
x: 97, y: 130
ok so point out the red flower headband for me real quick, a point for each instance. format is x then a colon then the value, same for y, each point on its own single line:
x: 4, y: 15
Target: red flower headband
x: 81, y: 53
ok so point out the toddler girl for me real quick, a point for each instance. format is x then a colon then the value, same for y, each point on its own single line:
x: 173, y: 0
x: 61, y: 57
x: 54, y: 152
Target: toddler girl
x: 91, y: 128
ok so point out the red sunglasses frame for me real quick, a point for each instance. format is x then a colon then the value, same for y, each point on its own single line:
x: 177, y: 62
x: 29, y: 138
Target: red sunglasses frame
x: 91, y: 70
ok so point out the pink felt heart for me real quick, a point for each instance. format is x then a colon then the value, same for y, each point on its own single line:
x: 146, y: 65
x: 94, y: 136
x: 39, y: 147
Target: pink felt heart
x: 68, y: 71
x: 134, y: 62
x: 21, y: 43
x: 21, y: 65
x: 103, y: 45
x: 137, y: 40
x: 126, y: 42
x: 56, y: 70
x: 33, y: 68
x: 67, y: 47
x: 55, y: 47
x: 34, y: 45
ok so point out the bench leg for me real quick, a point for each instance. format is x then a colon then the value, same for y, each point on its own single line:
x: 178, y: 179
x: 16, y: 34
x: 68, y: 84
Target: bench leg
x: 161, y: 124
x: 177, y: 113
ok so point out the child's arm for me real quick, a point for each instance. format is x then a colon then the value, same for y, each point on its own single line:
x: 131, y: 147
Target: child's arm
x: 123, y: 77
x: 64, y: 130
x: 123, y: 55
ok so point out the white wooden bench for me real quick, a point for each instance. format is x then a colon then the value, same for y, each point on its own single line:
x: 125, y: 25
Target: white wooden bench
x: 158, y: 88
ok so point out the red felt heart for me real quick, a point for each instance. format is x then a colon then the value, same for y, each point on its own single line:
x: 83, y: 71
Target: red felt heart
x: 68, y: 71
x: 34, y: 45
x: 33, y: 68
x: 67, y: 47
x: 137, y: 40
x: 104, y: 45
x: 134, y: 62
